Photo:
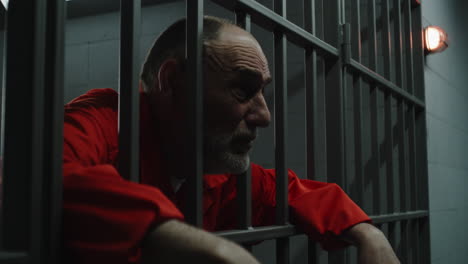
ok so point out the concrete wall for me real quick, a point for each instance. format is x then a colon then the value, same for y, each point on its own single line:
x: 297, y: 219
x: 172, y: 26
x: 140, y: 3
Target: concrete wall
x: 446, y: 81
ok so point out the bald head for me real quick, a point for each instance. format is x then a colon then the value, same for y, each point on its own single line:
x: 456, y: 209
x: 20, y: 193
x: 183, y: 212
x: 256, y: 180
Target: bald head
x: 234, y: 49
x: 170, y: 44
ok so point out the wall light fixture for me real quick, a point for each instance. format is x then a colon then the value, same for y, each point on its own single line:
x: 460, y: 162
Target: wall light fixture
x: 435, y: 39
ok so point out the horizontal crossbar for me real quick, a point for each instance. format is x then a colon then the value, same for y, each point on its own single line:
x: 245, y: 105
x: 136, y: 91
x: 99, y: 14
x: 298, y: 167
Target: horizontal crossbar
x: 259, y: 233
x: 380, y: 219
x: 13, y: 257
x: 274, y: 22
x: 385, y: 85
x: 272, y: 232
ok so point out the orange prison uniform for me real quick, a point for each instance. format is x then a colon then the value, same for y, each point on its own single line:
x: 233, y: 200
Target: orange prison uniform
x: 107, y: 217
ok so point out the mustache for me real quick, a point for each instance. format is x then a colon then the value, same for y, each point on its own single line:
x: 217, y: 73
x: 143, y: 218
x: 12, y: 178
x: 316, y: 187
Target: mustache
x: 245, y: 135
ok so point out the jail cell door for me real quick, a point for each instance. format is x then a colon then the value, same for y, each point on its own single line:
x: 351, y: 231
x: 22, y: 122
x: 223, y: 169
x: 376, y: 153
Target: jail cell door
x: 33, y: 118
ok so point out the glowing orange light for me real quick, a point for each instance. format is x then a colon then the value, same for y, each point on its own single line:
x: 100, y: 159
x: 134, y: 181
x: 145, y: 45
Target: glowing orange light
x: 436, y: 39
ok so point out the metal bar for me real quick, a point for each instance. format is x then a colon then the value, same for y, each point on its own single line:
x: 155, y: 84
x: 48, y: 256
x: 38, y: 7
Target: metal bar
x: 374, y: 111
x: 310, y: 83
x: 421, y: 137
x: 244, y: 181
x: 194, y: 110
x: 418, y: 53
x: 415, y: 233
x: 310, y: 65
x: 372, y: 32
x: 388, y: 100
x: 14, y: 258
x: 23, y: 169
x: 389, y: 161
x: 412, y: 151
x: 243, y: 20
x: 52, y: 156
x: 398, y: 44
x: 404, y: 244
x: 129, y: 114
x: 2, y: 120
x: 357, y: 103
x: 386, y: 85
x: 313, y: 24
x: 335, y: 104
x: 281, y: 124
x: 425, y: 250
x: 260, y: 233
x: 402, y: 161
x: 244, y: 197
x: 387, y: 41
x: 275, y: 22
x: 409, y: 46
x: 387, y: 218
x: 281, y: 99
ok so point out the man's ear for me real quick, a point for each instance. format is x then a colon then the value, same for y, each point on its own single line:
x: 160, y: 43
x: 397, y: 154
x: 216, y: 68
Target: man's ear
x: 170, y: 77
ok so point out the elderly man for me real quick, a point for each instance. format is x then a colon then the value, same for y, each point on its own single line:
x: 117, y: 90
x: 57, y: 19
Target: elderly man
x: 110, y: 220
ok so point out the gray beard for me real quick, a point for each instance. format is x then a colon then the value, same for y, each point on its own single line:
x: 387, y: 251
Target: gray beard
x: 220, y: 158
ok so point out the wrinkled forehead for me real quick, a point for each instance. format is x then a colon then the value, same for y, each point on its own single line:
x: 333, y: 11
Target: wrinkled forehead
x: 235, y: 50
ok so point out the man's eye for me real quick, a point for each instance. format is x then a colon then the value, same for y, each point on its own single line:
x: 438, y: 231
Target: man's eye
x: 240, y: 93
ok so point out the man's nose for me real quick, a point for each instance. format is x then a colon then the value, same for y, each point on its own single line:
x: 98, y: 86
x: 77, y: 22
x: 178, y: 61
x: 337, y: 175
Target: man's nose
x: 258, y: 114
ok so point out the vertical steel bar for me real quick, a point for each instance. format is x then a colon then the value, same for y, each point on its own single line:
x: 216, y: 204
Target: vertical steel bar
x: 412, y: 151
x: 54, y: 86
x: 411, y: 110
x: 402, y: 164
x: 357, y: 101
x: 2, y: 119
x: 388, y: 62
x: 244, y: 181
x: 374, y: 110
x: 398, y: 44
x: 130, y: 23
x: 402, y: 171
x: 335, y: 104
x: 194, y: 110
x: 334, y: 99
x: 312, y: 124
x: 310, y: 61
x: 387, y: 40
x: 23, y: 169
x: 37, y: 148
x: 281, y: 99
x: 421, y: 137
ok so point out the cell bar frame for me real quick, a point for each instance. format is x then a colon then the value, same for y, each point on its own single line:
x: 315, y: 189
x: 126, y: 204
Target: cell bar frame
x: 244, y: 181
x: 129, y: 99
x: 33, y: 163
x: 194, y: 30
x: 337, y: 53
x: 281, y: 124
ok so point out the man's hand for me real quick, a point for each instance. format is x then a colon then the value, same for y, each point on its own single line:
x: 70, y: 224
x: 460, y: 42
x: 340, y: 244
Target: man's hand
x: 373, y: 246
x: 175, y: 242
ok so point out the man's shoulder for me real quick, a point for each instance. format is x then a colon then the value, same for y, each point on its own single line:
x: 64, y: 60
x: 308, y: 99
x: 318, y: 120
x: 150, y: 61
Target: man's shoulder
x: 95, y: 98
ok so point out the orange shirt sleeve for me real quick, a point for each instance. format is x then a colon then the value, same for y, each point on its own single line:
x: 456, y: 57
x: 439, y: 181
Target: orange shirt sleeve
x: 321, y: 210
x: 105, y: 217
